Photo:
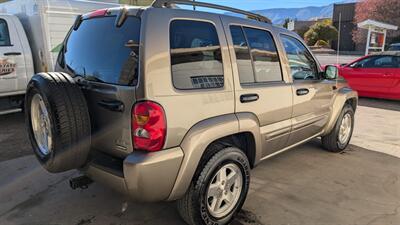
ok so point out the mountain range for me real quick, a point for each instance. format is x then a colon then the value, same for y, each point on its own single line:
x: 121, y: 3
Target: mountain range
x: 278, y: 15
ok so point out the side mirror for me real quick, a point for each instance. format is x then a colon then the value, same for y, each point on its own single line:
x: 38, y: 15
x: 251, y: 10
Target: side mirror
x: 331, y: 72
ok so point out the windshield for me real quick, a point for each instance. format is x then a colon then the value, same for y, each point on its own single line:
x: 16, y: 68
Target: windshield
x: 99, y: 51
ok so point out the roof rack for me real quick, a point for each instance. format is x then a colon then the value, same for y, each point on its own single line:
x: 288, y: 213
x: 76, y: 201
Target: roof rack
x: 168, y: 4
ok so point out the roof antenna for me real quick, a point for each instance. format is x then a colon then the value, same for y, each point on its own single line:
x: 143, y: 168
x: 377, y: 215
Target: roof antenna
x: 338, y: 43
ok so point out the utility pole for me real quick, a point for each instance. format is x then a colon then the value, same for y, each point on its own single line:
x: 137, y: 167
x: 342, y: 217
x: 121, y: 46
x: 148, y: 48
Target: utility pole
x: 194, y: 7
x: 338, y: 43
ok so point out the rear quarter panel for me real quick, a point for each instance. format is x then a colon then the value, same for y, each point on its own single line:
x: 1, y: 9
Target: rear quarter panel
x: 183, y: 108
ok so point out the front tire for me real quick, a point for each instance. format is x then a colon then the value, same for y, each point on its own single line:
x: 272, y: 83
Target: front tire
x: 339, y: 138
x: 219, y: 190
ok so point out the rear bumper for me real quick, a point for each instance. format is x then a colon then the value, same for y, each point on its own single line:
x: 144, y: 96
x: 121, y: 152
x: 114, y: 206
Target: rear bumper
x: 144, y: 177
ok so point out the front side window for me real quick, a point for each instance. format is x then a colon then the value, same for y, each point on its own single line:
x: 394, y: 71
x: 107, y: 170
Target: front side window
x: 4, y: 34
x: 196, y: 59
x: 256, y: 55
x: 102, y: 52
x: 377, y: 62
x: 302, y: 65
x: 385, y: 62
x: 363, y: 63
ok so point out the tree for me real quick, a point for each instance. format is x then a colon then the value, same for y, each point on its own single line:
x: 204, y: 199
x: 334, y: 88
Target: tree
x: 386, y: 11
x: 286, y: 22
x: 302, y: 30
x: 320, y: 31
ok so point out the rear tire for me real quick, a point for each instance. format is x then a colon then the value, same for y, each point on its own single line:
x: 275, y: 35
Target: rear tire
x: 335, y: 141
x: 200, y: 206
x: 58, y: 121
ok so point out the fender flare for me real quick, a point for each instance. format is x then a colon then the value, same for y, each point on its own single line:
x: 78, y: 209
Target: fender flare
x: 342, y: 96
x: 196, y: 141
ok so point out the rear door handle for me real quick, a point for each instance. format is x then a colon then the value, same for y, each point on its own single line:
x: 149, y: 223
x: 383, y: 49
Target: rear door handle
x: 249, y: 98
x: 12, y: 53
x: 302, y: 91
x: 115, y: 106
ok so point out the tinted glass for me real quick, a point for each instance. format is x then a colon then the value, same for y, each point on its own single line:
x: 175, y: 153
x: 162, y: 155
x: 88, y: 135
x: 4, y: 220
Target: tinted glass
x: 242, y: 52
x: 385, y: 62
x: 302, y: 65
x: 396, y: 61
x: 362, y: 62
x: 102, y: 52
x: 195, y: 55
x: 264, y: 55
x: 378, y: 62
x: 4, y: 34
x: 394, y: 48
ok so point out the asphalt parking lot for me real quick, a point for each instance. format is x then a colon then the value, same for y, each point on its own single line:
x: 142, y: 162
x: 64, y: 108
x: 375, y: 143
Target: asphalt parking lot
x: 305, y: 185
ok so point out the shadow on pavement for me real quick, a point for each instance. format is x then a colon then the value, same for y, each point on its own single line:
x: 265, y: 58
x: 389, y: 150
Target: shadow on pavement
x: 304, y: 186
x: 14, y: 141
x: 393, y: 105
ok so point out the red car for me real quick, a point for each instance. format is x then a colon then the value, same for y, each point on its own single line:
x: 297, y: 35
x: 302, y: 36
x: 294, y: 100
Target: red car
x: 376, y: 76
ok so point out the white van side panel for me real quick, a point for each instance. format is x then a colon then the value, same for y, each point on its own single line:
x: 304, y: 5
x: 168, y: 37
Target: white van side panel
x: 26, y: 73
x: 57, y: 25
x: 13, y: 68
x: 30, y: 13
x: 29, y: 67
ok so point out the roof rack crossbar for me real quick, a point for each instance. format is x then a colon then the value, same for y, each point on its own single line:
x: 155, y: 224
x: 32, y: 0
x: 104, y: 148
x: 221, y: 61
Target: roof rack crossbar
x: 168, y: 3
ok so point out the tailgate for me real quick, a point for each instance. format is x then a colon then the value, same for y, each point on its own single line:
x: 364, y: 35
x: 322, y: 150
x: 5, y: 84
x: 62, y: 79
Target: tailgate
x: 104, y: 59
x: 110, y: 113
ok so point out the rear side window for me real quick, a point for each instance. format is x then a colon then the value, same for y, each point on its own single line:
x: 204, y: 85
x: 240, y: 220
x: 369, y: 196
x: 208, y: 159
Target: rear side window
x: 196, y: 59
x: 243, y: 58
x: 256, y: 55
x: 102, y: 52
x: 4, y: 34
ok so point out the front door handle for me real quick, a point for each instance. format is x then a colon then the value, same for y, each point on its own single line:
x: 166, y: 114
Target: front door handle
x: 12, y: 53
x: 302, y: 91
x: 249, y: 98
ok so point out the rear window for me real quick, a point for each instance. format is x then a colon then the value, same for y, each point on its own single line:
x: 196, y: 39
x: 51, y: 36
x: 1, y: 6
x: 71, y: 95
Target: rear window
x: 102, y: 52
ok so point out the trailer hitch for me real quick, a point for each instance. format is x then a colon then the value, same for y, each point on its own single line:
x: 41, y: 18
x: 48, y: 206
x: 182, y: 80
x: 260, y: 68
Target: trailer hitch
x: 81, y: 182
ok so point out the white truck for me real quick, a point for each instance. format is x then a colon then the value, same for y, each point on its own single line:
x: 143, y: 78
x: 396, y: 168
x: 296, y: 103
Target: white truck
x: 31, y: 34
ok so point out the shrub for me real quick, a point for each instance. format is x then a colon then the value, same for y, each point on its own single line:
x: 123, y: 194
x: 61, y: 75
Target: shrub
x: 322, y: 43
x: 320, y: 31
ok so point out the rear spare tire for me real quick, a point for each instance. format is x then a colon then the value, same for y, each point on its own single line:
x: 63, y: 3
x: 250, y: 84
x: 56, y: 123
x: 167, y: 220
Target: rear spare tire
x: 58, y: 121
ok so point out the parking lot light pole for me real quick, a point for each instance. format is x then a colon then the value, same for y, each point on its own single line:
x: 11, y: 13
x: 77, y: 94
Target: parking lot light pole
x: 338, y: 44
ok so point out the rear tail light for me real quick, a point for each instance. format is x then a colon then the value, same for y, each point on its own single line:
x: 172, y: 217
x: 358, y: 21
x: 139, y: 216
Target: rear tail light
x: 148, y: 126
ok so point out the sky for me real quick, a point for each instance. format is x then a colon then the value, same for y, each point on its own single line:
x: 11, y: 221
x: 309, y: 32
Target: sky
x: 268, y: 4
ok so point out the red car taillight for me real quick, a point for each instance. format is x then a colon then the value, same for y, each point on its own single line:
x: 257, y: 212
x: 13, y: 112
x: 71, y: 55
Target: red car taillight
x: 148, y: 126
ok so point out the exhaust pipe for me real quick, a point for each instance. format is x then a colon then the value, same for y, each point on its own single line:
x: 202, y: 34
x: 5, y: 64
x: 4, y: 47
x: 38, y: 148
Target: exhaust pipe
x: 81, y: 182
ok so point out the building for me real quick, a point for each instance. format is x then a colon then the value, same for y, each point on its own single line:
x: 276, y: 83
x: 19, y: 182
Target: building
x: 302, y: 26
x: 346, y: 13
